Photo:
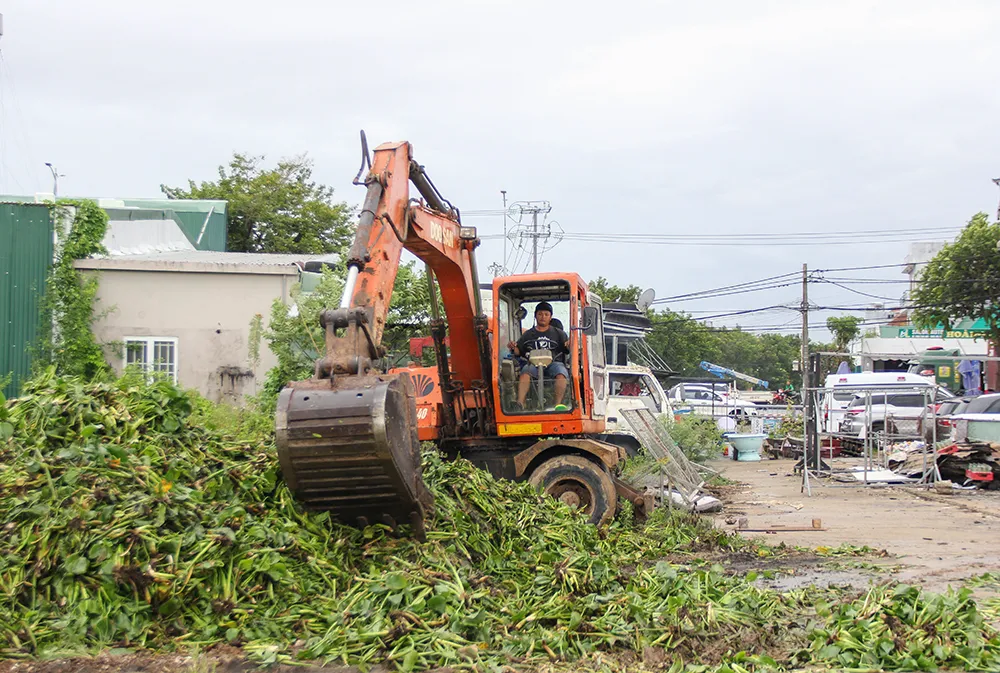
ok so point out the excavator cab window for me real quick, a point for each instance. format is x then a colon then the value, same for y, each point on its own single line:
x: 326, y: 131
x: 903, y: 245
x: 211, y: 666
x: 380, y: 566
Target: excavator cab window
x: 539, y: 379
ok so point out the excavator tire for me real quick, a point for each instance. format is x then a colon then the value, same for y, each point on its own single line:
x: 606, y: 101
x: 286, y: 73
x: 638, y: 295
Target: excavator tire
x: 578, y: 482
x: 349, y: 446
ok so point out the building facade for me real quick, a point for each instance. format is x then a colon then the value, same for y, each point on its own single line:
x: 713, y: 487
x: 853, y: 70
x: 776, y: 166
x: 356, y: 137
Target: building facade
x: 188, y: 315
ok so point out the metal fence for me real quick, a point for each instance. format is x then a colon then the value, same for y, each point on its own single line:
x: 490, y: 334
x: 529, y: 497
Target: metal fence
x: 760, y: 418
x: 872, y: 427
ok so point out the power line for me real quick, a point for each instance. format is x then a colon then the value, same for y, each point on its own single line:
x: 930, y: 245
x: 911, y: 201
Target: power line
x: 859, y: 292
x: 754, y: 235
x: 746, y: 284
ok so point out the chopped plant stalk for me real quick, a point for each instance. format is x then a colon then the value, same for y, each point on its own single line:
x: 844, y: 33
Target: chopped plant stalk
x: 138, y: 516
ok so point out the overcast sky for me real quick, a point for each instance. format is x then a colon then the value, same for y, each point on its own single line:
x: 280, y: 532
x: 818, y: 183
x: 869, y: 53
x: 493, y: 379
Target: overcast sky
x: 637, y: 117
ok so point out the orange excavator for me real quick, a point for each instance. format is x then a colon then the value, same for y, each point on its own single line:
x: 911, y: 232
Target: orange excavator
x: 349, y: 438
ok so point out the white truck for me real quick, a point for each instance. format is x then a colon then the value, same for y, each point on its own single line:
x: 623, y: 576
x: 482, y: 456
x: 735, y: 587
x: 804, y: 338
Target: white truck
x: 632, y: 387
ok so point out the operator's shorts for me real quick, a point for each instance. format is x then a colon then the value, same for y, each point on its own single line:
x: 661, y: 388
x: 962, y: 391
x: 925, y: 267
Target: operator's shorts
x: 552, y: 371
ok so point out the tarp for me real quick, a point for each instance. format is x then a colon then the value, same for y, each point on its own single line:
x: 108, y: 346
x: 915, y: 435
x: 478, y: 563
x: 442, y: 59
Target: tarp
x: 970, y: 371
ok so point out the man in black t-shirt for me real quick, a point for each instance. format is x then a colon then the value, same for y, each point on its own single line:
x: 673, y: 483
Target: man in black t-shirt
x: 544, y: 335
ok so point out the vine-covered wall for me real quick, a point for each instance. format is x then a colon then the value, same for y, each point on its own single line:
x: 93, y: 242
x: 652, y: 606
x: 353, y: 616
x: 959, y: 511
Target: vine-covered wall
x: 67, y: 341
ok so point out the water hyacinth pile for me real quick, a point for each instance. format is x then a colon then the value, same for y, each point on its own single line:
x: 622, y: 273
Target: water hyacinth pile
x: 130, y: 521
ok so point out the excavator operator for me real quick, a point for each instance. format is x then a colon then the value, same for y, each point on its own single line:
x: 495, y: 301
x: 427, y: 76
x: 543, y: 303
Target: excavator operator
x: 544, y: 335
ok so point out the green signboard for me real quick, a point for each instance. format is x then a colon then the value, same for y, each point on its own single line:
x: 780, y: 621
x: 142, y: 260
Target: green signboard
x: 910, y: 333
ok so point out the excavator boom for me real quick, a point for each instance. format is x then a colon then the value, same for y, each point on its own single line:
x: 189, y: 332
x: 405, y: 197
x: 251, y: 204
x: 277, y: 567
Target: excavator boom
x: 347, y: 438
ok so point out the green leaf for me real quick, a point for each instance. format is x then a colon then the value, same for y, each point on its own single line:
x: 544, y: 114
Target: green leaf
x: 828, y: 652
x: 170, y: 607
x: 409, y: 661
x: 395, y: 581
x: 75, y: 564
x: 437, y: 603
x: 6, y: 430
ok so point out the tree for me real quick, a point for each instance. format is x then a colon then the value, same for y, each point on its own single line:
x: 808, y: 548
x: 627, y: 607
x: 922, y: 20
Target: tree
x: 963, y: 280
x: 600, y: 287
x: 845, y: 329
x: 683, y: 343
x: 275, y: 210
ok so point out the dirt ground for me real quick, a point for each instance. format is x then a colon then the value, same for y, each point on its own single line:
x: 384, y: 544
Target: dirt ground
x: 935, y: 540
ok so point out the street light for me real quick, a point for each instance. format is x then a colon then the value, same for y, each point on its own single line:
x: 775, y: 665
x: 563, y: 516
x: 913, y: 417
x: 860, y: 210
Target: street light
x: 55, y: 179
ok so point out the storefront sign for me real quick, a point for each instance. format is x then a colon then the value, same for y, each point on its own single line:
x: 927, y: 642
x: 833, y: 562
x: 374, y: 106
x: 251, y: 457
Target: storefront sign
x: 910, y: 333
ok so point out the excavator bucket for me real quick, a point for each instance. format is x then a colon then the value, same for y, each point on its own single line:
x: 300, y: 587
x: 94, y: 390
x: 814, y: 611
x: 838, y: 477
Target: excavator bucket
x: 348, y: 445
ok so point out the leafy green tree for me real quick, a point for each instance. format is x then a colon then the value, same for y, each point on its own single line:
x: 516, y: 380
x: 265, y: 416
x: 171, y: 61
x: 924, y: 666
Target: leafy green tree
x: 683, y: 343
x: 845, y: 329
x: 963, y: 280
x: 294, y: 334
x: 275, y: 210
x: 606, y: 292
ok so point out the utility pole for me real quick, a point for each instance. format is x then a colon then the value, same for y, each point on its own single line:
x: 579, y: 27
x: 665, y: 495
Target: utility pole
x: 996, y: 181
x: 804, y: 355
x: 536, y: 230
x: 534, y: 242
x: 503, y: 192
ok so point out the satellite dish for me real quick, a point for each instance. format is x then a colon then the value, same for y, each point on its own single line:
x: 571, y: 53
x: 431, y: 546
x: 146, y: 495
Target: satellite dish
x: 645, y: 299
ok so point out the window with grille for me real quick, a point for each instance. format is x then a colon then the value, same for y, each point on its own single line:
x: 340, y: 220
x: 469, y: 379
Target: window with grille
x: 156, y: 355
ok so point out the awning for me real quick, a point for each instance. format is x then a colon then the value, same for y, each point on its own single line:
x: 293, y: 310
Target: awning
x: 882, y: 348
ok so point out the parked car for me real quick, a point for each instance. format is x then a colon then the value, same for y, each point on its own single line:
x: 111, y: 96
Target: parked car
x: 894, y: 413
x: 979, y: 409
x: 942, y: 412
x: 707, y: 399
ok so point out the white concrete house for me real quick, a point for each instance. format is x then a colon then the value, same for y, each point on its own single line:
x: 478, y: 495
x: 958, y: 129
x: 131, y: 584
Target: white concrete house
x: 188, y: 313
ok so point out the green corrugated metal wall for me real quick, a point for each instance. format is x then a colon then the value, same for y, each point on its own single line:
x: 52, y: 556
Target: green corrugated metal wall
x: 25, y: 258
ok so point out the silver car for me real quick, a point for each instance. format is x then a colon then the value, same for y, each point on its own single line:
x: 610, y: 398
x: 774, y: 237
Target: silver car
x: 897, y: 414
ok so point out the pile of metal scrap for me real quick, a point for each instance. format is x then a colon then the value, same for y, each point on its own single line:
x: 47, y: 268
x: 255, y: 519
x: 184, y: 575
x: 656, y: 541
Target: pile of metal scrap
x: 673, y: 479
x: 967, y: 463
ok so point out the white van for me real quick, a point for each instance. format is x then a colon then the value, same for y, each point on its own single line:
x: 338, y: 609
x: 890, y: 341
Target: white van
x: 841, y: 389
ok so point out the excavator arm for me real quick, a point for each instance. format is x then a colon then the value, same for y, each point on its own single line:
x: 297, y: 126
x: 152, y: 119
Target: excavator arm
x: 347, y: 438
x: 391, y: 222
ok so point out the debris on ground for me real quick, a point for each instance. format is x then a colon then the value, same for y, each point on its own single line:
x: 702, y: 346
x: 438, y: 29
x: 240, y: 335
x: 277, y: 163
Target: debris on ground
x: 974, y: 464
x: 132, y: 523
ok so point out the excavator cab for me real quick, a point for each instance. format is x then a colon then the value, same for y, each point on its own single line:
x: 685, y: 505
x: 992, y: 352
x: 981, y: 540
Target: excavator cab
x: 542, y: 376
x: 561, y: 379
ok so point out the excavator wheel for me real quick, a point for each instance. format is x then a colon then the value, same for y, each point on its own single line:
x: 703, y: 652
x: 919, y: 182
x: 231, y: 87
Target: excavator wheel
x: 580, y: 483
x: 349, y: 446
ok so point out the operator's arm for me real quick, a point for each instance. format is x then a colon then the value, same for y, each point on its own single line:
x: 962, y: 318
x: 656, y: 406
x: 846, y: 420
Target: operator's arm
x: 564, y: 342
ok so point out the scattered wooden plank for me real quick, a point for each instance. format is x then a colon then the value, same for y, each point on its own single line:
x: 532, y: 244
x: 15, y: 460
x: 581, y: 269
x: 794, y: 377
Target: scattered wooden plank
x: 817, y: 525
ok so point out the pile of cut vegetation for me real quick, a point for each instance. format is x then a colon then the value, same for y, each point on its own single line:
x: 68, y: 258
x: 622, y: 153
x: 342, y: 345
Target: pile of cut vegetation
x: 131, y: 521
